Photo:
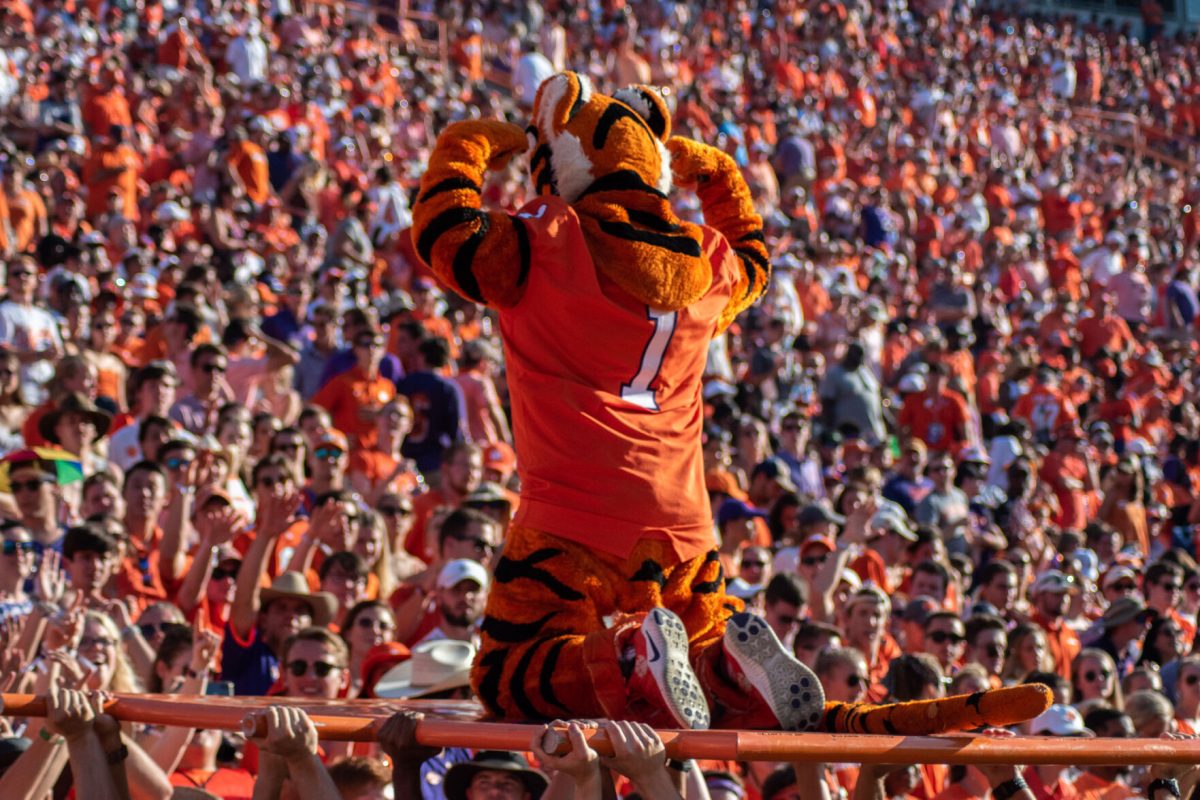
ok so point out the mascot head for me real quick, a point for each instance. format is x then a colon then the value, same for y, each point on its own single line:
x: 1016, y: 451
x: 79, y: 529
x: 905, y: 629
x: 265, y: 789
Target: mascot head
x: 579, y: 137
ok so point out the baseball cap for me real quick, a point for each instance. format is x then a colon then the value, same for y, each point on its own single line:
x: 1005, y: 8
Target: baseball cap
x: 500, y: 457
x: 919, y: 608
x: 1059, y: 720
x: 814, y: 513
x: 1053, y: 581
x: 777, y: 470
x: 1117, y: 573
x: 817, y: 540
x: 1125, y: 609
x: 869, y: 594
x: 332, y: 437
x: 723, y: 481
x: 743, y: 590
x: 1069, y: 430
x: 891, y: 521
x: 912, y: 383
x: 459, y: 570
x: 734, y: 509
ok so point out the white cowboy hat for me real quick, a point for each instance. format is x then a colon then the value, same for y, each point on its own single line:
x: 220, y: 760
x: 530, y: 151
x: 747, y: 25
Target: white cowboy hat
x: 436, y: 666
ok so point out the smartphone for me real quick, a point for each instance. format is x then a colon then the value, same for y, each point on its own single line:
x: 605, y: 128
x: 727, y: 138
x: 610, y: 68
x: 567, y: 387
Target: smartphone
x: 219, y: 689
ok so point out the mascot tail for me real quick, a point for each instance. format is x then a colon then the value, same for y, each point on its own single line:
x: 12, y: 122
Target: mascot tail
x: 999, y: 707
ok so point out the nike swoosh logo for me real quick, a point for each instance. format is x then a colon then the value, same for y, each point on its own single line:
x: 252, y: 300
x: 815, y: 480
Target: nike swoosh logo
x: 656, y: 655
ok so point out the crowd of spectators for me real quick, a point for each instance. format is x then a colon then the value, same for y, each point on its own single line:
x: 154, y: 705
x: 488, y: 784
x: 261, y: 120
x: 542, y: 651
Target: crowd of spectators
x: 957, y: 446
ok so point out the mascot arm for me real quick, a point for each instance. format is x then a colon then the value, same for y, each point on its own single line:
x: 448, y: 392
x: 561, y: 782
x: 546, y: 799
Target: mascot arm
x: 995, y: 708
x: 484, y: 256
x: 725, y: 201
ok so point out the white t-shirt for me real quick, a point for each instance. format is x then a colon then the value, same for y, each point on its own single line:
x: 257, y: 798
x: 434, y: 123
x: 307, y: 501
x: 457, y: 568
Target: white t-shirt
x: 29, y: 328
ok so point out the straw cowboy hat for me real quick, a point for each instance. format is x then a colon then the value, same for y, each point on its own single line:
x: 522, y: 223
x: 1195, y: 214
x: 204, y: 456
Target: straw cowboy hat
x: 293, y: 584
x: 437, y: 666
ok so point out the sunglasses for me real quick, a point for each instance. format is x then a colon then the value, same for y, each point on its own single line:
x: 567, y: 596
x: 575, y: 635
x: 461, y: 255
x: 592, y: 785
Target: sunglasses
x: 177, y: 463
x: 481, y: 546
x: 288, y: 447
x: 1171, y: 587
x: 211, y: 368
x: 390, y: 510
x: 1192, y: 680
x: 99, y: 641
x: 367, y: 623
x: 941, y: 637
x: 1125, y: 586
x: 854, y: 680
x: 31, y: 485
x: 328, y: 453
x: 21, y: 273
x: 753, y: 564
x: 994, y: 650
x: 220, y: 574
x: 1092, y: 675
x: 812, y: 561
x: 369, y: 343
x: 149, y: 631
x: 11, y: 548
x: 269, y: 482
x: 299, y: 668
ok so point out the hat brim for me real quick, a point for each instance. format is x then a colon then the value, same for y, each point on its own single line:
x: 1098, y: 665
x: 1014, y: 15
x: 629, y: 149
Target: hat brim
x: 459, y: 777
x: 397, y: 683
x: 323, y: 604
x: 100, y: 420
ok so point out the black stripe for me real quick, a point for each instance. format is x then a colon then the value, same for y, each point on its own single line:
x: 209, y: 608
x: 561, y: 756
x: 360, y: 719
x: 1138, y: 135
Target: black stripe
x: 657, y: 123
x: 489, y: 685
x: 542, y: 153
x: 710, y: 587
x: 683, y: 245
x: 509, y: 570
x: 545, y: 178
x: 513, y: 632
x: 651, y: 570
x: 615, y: 112
x: 442, y: 223
x: 753, y: 236
x: 532, y: 130
x: 545, y: 682
x: 755, y: 263
x: 523, y: 248
x: 578, y: 102
x: 464, y: 262
x: 449, y: 185
x: 516, y: 684
x: 625, y: 180
x: 652, y: 221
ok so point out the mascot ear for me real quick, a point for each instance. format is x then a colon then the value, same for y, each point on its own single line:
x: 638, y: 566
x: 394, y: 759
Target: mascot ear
x: 558, y: 99
x: 650, y: 105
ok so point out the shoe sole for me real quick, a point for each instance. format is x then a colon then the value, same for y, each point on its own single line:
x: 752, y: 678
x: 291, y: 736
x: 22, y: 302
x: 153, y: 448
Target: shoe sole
x: 667, y: 659
x: 792, y: 689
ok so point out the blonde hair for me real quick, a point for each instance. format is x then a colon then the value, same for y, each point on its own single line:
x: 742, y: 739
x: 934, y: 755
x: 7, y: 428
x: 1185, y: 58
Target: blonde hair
x: 124, y: 678
x: 382, y: 568
x: 1145, y: 706
x: 1012, y: 671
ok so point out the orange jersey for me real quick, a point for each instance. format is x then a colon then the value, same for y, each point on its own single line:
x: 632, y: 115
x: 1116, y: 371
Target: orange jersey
x: 351, y: 393
x: 594, y: 371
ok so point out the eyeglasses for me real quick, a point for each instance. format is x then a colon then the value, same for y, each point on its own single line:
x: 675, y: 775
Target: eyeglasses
x: 177, y: 463
x: 481, y: 545
x: 211, y: 368
x: 102, y: 642
x: 219, y: 574
x: 368, y: 623
x: 1092, y: 675
x: 328, y: 453
x: 812, y: 561
x: 941, y: 637
x: 390, y: 510
x: 854, y: 680
x: 11, y: 548
x: 299, y: 668
x: 31, y: 485
x: 21, y: 273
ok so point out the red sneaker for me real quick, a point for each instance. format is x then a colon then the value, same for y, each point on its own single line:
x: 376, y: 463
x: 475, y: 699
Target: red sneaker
x: 662, y: 675
x: 758, y: 662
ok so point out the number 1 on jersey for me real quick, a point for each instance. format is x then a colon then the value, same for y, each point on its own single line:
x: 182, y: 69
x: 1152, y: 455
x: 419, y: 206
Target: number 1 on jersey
x: 639, y: 390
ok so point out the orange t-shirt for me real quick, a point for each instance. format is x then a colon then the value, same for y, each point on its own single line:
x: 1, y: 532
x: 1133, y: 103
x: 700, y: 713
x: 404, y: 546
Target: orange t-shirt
x: 249, y: 161
x: 347, y: 395
x: 423, y: 507
x: 227, y: 783
x: 1064, y: 643
x: 26, y: 214
x: 940, y: 422
x: 630, y: 399
x: 125, y: 183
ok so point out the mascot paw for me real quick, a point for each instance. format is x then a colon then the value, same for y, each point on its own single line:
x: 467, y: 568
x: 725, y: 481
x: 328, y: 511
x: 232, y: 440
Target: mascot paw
x: 693, y: 162
x: 497, y: 141
x: 997, y: 707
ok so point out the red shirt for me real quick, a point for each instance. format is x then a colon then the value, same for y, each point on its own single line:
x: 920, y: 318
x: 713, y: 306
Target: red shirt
x: 629, y: 399
x: 940, y: 422
x: 347, y: 395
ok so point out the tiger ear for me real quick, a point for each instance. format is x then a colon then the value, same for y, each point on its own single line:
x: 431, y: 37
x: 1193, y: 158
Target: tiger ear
x: 650, y: 105
x: 558, y: 99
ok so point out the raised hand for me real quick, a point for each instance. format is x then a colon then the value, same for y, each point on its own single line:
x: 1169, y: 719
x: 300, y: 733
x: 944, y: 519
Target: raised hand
x: 204, y: 646
x: 49, y: 583
x: 64, y: 630
x: 220, y: 525
x: 277, y: 513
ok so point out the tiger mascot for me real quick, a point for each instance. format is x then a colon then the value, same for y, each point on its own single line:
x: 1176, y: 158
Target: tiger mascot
x: 608, y: 599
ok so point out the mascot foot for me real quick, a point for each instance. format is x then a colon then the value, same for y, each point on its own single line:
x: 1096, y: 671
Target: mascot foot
x: 662, y: 676
x: 757, y: 661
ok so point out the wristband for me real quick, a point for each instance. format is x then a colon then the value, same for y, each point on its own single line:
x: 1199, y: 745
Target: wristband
x: 1009, y: 788
x: 46, y: 736
x: 1169, y: 785
x: 117, y: 756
